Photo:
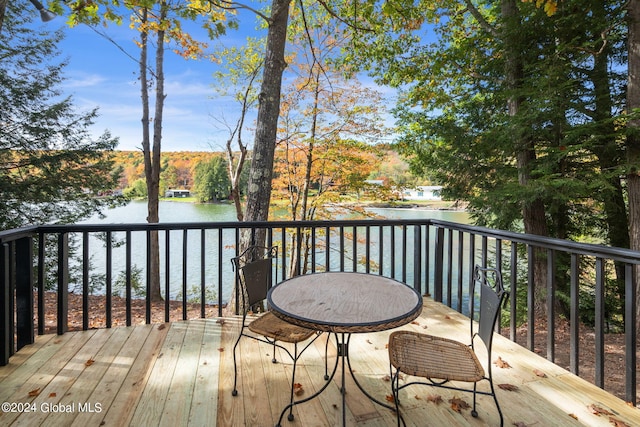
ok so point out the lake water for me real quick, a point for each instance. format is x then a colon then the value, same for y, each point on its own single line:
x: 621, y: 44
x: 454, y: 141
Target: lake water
x: 170, y: 212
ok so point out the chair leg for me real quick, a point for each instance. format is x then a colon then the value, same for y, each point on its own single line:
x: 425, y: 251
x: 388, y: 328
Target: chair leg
x: 395, y: 393
x: 495, y: 399
x: 235, y: 366
x: 273, y: 359
x: 290, y: 417
x: 326, y: 355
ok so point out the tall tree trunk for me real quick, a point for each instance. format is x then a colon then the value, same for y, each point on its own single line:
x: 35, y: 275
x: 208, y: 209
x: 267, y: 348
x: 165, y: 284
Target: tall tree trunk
x: 259, y: 187
x: 533, y: 211
x: 633, y: 136
x: 152, y: 154
x: 608, y: 153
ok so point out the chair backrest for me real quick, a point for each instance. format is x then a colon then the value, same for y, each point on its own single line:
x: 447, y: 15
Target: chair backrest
x: 254, y: 266
x: 492, y: 296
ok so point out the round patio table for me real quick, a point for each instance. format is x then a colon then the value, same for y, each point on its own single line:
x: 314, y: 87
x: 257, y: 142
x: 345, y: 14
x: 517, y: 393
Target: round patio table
x: 344, y: 303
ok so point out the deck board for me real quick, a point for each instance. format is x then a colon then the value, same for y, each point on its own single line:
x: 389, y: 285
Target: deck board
x: 182, y: 374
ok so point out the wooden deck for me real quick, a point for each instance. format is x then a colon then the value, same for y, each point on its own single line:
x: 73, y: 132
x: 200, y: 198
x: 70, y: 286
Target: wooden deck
x: 181, y: 374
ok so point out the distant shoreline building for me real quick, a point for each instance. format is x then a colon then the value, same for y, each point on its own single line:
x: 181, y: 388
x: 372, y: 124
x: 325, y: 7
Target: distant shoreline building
x: 177, y: 193
x: 423, y: 192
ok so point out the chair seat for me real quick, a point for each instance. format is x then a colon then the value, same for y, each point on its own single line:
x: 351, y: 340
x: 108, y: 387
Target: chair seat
x: 271, y: 326
x: 434, y: 357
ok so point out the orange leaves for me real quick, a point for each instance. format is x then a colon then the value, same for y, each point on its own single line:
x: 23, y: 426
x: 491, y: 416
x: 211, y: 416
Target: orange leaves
x: 435, y: 398
x: 89, y: 362
x: 501, y: 363
x: 298, y: 390
x: 458, y: 404
x: 34, y: 393
x: 599, y: 411
x: 539, y: 373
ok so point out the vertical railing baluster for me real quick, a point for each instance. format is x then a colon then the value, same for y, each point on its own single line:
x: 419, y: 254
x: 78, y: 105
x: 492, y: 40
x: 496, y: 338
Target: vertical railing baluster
x: 148, y: 280
x: 127, y: 278
x: 574, y: 315
x: 381, y: 250
x: 6, y: 307
x: 513, y: 291
x: 531, y: 259
x: 327, y: 249
x: 551, y: 312
x: 367, y: 253
x: 417, y: 258
x: 341, y: 248
x: 24, y: 292
x: 599, y: 322
x: 167, y: 274
x: 313, y: 249
x: 108, y: 278
x: 404, y: 253
x: 354, y: 248
x: 450, y: 267
x: 85, y: 280
x: 220, y: 233
x: 427, y: 260
x: 41, y: 281
x: 439, y: 258
x: 63, y: 283
x: 392, y: 245
x: 185, y: 291
x: 460, y: 269
x: 203, y: 293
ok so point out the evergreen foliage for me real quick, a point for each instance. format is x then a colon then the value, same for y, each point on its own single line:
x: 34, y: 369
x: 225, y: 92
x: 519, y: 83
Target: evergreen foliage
x: 51, y: 169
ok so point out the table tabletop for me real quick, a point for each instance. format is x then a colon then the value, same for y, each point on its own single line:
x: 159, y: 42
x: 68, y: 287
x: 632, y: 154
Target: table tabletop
x: 345, y: 302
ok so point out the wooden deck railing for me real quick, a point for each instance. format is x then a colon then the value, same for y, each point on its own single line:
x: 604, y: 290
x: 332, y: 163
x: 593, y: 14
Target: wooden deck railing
x: 436, y: 257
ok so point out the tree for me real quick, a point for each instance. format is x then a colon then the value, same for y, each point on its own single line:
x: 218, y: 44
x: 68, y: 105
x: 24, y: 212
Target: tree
x: 52, y: 170
x: 211, y: 181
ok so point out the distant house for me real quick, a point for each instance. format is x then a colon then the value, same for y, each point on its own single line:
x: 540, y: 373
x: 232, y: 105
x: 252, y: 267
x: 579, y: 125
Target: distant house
x: 424, y: 192
x: 177, y: 193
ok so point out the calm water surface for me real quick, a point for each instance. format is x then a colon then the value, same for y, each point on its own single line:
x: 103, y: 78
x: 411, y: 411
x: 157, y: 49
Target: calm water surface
x: 170, y: 211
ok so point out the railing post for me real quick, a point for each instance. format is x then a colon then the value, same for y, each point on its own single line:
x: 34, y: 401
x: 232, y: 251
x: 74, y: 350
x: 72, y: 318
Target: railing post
x: 6, y: 310
x: 24, y: 292
x: 630, y: 331
x: 63, y: 282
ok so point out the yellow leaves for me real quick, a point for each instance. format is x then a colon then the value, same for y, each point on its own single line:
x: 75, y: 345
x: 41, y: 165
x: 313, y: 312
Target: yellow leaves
x: 550, y: 7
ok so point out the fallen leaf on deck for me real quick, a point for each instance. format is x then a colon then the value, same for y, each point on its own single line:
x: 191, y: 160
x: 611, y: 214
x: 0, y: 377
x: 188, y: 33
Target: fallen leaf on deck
x: 297, y: 389
x: 574, y: 416
x: 89, y: 362
x: 539, y: 373
x: 161, y: 326
x: 519, y: 424
x: 389, y: 398
x: 220, y: 349
x: 501, y: 363
x: 369, y: 341
x: 618, y: 423
x: 386, y: 378
x: 458, y: 404
x: 220, y: 321
x: 446, y: 316
x: 52, y: 394
x: 34, y: 393
x: 415, y: 322
x: 508, y: 387
x: 435, y: 398
x: 597, y: 410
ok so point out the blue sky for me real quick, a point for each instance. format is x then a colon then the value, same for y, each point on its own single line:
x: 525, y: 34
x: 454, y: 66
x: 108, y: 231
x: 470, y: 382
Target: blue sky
x: 100, y: 75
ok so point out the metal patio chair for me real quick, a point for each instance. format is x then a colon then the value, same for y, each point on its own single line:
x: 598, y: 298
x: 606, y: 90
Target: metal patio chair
x: 440, y: 360
x: 254, y: 278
